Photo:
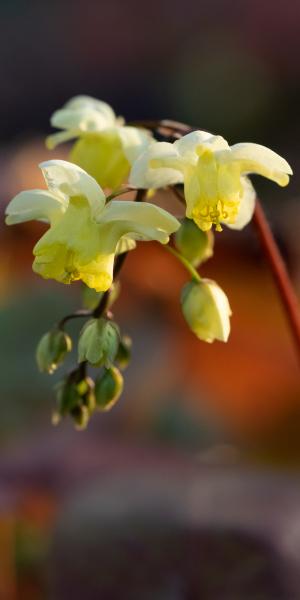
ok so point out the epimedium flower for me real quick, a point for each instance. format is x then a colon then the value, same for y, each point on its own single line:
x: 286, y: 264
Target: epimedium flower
x: 105, y: 147
x: 85, y: 231
x: 216, y: 187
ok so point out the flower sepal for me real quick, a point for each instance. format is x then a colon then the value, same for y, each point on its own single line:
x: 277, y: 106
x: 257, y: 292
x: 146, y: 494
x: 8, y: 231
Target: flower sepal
x: 99, y: 342
x: 108, y: 388
x: 193, y: 243
x: 52, y: 350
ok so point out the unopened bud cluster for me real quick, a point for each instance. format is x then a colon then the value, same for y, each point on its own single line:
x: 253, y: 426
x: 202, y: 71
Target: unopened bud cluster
x: 75, y: 397
x: 101, y: 346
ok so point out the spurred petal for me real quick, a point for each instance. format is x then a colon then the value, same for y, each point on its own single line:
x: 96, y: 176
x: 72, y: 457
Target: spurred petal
x: 62, y: 136
x: 35, y: 204
x: 85, y: 114
x: 125, y: 244
x: 247, y: 206
x: 187, y: 145
x: 83, y: 101
x: 164, y: 156
x: 134, y: 141
x: 142, y: 214
x: 70, y: 180
x: 255, y: 158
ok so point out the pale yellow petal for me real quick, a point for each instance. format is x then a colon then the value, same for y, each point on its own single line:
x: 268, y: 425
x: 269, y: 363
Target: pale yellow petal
x: 254, y: 158
x: 158, y: 167
x: 38, y: 205
x: 247, y: 206
x: 70, y: 180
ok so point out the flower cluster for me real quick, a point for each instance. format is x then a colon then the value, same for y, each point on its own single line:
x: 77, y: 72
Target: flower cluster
x: 90, y: 232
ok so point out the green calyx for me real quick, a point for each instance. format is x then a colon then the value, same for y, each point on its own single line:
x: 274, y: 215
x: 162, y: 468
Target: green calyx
x: 52, y: 349
x: 108, y: 388
x: 193, y: 243
x: 99, y: 342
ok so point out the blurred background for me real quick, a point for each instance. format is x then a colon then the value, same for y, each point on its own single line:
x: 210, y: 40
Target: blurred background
x: 189, y: 488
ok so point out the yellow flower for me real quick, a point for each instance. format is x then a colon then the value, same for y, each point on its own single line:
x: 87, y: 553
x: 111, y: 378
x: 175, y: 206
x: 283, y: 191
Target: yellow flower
x: 216, y: 187
x: 105, y: 147
x: 206, y: 309
x: 85, y: 232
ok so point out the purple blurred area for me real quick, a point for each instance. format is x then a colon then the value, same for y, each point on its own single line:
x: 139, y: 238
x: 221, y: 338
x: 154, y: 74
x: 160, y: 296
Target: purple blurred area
x: 173, y: 495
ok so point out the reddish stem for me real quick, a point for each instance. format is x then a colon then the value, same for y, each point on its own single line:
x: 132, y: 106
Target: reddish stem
x: 279, y: 271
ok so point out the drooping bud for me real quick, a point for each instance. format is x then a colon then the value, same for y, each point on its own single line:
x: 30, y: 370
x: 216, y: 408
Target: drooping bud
x: 206, y: 309
x: 123, y: 356
x: 75, y: 397
x: 52, y: 349
x: 193, y: 243
x: 98, y: 342
x: 108, y: 388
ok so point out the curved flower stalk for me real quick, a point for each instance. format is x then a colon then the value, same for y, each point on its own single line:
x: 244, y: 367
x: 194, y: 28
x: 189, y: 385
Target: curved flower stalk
x: 85, y: 232
x: 216, y: 187
x: 106, y: 147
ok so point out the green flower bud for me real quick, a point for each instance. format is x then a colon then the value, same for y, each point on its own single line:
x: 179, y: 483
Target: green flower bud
x: 98, y: 342
x: 193, y: 243
x: 206, y: 309
x: 72, y: 393
x: 52, y: 349
x: 124, y: 352
x: 108, y: 388
x: 67, y: 396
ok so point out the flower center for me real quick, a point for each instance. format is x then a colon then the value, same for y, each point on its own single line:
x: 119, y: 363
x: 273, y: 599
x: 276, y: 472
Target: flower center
x: 216, y: 191
x: 75, y: 249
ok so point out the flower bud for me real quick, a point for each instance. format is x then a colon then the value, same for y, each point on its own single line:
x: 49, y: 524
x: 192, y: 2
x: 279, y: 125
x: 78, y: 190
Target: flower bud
x: 206, y: 309
x: 108, y: 388
x: 52, y: 349
x: 193, y: 243
x: 75, y: 398
x: 98, y: 342
x: 124, y: 352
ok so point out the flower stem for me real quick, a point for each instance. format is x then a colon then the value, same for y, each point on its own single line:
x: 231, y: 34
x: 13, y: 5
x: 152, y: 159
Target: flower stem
x: 102, y: 306
x: 165, y: 127
x: 189, y: 267
x: 279, y: 271
x: 120, y: 192
x: 81, y: 313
